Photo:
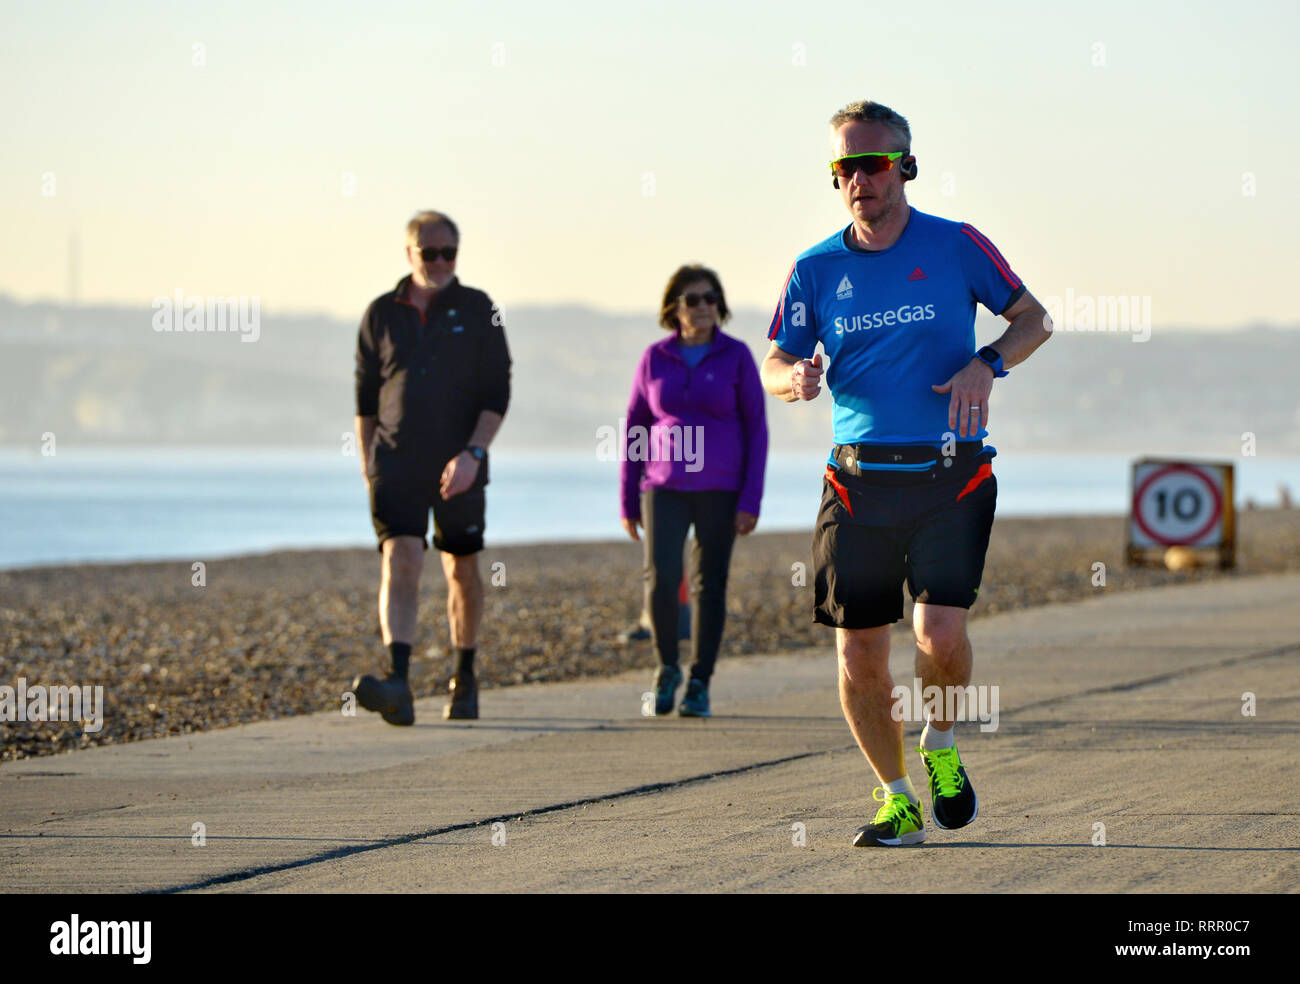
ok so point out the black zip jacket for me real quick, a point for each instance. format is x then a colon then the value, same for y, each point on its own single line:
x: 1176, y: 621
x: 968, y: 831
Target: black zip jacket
x: 427, y: 375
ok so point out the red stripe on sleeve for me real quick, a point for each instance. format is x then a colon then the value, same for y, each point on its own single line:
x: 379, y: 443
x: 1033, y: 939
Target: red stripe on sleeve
x: 991, y: 251
x: 779, y: 316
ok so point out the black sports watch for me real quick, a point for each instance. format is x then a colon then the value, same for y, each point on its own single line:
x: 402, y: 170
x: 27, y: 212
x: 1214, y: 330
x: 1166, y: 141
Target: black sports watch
x: 478, y: 453
x: 993, y: 359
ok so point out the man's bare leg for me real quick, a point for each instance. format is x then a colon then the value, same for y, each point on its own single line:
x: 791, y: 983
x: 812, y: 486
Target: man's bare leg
x: 399, y: 588
x: 943, y: 653
x: 464, y: 599
x: 943, y: 660
x: 866, y: 696
x: 399, y: 601
x: 464, y: 613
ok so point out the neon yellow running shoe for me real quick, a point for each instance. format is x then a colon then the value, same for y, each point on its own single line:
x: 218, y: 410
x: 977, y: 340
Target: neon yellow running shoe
x: 951, y: 793
x: 897, y: 823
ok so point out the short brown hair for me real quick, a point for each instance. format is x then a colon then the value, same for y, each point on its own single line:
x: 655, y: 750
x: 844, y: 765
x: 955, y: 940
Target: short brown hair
x: 427, y: 217
x: 688, y: 274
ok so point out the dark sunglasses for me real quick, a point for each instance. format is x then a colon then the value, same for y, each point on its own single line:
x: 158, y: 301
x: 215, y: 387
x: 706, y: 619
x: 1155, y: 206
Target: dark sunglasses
x: 844, y: 167
x: 709, y: 297
x: 431, y: 253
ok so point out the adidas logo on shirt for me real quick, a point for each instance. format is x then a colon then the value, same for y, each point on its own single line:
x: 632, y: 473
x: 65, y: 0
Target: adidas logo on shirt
x: 845, y: 290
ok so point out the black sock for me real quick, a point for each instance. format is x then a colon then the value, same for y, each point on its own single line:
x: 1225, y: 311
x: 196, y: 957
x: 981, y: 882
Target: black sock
x: 465, y: 661
x: 401, y: 656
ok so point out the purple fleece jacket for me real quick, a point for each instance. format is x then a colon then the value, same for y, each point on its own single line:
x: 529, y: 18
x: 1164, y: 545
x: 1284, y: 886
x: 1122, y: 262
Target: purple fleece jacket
x: 695, y: 429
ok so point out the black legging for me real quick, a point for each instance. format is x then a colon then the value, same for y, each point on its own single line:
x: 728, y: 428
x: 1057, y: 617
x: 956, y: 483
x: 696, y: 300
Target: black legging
x: 667, y: 515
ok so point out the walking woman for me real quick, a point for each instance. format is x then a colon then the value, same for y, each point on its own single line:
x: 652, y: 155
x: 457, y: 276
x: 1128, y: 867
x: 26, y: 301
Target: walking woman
x: 694, y: 455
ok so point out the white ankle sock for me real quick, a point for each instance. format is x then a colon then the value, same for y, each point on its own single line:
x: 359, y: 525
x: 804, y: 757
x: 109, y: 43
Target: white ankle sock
x: 903, y: 785
x: 932, y: 739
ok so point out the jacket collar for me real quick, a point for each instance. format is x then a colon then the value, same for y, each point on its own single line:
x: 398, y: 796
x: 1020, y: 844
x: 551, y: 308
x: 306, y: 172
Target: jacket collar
x: 669, y: 345
x: 402, y: 292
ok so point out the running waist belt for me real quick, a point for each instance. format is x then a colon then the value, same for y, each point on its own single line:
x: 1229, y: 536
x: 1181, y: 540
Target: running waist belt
x: 847, y: 456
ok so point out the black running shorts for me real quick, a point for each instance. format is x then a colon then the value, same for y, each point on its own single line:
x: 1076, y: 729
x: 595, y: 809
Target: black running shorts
x: 400, y: 507
x: 875, y: 531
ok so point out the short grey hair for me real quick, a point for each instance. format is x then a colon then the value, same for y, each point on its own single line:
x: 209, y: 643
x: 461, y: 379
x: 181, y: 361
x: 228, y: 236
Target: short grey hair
x: 866, y: 111
x: 428, y: 217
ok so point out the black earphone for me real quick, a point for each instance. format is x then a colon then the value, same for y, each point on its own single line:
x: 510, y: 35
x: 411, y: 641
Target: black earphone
x: 906, y: 167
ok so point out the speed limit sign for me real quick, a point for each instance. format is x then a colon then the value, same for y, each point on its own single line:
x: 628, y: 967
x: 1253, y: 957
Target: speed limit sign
x: 1181, y: 503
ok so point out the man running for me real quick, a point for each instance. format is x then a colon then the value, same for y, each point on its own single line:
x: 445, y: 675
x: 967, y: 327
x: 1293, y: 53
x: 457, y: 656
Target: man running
x: 432, y: 386
x: 909, y: 491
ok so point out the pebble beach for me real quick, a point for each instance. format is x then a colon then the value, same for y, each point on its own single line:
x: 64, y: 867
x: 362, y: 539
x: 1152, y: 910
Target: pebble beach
x: 284, y: 633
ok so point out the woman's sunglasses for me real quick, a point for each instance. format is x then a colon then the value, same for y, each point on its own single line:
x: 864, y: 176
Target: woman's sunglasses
x: 709, y: 297
x: 873, y: 163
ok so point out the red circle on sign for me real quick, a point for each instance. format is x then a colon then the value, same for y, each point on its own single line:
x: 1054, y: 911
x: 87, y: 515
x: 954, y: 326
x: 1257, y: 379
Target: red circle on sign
x: 1215, y: 513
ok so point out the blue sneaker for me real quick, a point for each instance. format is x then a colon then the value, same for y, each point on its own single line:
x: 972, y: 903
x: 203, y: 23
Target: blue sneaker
x: 696, y: 702
x: 667, y: 680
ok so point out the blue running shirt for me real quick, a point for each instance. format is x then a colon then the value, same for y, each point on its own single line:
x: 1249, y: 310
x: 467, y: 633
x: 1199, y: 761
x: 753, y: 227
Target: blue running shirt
x: 893, y: 322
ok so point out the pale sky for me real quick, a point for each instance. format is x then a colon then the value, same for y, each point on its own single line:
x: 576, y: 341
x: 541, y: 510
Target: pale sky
x: 587, y: 149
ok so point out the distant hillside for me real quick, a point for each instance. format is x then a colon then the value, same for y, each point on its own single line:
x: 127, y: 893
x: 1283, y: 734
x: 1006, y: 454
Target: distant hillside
x: 96, y: 375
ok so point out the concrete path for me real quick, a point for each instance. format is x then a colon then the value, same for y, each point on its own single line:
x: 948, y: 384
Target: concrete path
x: 1124, y: 711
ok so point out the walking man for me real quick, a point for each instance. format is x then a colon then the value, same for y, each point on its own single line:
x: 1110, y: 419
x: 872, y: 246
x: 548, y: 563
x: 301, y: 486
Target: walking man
x: 432, y: 386
x: 909, y: 492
